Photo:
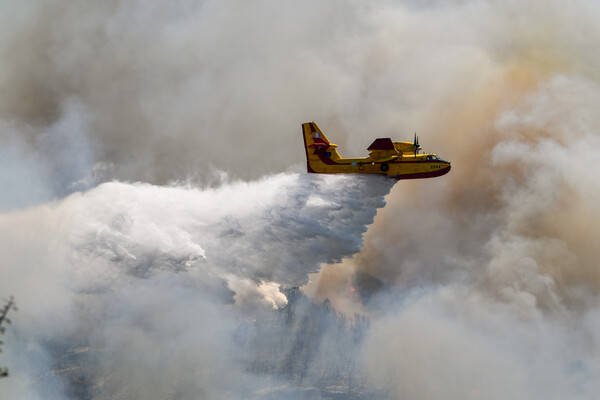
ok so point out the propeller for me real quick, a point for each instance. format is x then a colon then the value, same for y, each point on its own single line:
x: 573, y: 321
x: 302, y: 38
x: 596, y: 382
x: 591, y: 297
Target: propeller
x: 416, y: 146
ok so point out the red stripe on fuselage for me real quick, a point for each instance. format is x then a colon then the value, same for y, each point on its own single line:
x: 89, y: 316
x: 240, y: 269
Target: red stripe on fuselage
x: 326, y: 160
x: 329, y: 161
x: 420, y: 175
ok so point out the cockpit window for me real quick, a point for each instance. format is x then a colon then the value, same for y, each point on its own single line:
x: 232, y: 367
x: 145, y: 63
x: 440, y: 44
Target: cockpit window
x: 435, y: 157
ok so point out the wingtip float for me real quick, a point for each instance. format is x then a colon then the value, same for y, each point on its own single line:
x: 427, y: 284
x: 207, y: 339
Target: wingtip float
x: 397, y: 160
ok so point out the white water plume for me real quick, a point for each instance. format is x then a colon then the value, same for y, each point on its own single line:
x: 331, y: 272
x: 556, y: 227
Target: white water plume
x: 163, y: 273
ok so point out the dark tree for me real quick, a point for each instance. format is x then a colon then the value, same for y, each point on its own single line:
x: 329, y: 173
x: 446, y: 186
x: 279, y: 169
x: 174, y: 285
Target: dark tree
x: 4, y: 319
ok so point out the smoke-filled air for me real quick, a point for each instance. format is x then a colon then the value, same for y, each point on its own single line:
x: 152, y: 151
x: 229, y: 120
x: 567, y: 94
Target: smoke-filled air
x: 163, y: 240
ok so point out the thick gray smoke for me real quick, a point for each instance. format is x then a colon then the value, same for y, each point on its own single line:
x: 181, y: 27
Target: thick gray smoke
x: 481, y: 284
x: 485, y: 285
x: 164, y: 90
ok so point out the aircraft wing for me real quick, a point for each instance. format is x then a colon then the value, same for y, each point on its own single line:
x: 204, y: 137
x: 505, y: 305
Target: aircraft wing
x: 382, y: 149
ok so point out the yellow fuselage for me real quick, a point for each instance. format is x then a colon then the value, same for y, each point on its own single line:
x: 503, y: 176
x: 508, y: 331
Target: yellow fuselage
x: 396, y: 160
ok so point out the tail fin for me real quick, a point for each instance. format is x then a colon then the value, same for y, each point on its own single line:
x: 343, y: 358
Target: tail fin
x: 317, y: 146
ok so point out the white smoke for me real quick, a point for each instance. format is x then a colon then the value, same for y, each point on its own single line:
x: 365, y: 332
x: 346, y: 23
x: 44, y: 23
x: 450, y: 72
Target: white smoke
x: 454, y: 343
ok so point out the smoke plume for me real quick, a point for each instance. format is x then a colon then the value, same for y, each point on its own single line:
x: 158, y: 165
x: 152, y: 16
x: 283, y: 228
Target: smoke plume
x: 143, y: 223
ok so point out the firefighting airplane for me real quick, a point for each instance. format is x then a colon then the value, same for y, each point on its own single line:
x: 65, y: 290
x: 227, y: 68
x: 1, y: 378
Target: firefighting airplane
x: 398, y: 160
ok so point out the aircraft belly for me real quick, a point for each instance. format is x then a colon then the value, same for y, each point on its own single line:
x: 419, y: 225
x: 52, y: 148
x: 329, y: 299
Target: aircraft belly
x: 423, y: 174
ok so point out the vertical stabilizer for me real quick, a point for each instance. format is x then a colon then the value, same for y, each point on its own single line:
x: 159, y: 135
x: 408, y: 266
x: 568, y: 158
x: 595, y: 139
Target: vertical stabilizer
x: 317, y: 146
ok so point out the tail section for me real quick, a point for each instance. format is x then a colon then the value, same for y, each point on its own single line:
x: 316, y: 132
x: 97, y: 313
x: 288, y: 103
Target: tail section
x: 319, y: 150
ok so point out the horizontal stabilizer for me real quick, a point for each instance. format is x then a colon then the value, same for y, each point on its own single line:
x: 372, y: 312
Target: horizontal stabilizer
x: 319, y: 142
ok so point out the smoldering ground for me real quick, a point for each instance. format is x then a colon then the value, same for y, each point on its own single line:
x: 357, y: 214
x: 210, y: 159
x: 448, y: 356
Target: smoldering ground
x: 485, y: 282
